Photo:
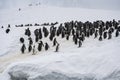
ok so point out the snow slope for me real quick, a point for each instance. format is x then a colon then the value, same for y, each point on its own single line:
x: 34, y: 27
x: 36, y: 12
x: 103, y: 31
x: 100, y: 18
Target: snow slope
x: 94, y: 4
x: 93, y: 60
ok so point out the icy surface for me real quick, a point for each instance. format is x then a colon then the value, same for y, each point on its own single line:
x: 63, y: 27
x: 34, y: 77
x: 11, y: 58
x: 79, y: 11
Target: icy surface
x: 94, y: 60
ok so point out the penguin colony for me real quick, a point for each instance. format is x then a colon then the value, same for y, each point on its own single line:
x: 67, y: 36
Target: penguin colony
x: 78, y: 30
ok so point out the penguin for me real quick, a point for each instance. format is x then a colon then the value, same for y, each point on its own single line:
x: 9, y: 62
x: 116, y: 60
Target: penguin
x: 54, y: 42
x: 23, y: 48
x: 105, y: 35
x: 40, y: 46
x: 57, y: 47
x: 117, y: 33
x: 80, y: 43
x: 30, y: 41
x: 29, y: 48
x: 46, y: 46
x: 100, y: 38
x: 22, y: 40
x: 7, y: 31
x: 33, y: 50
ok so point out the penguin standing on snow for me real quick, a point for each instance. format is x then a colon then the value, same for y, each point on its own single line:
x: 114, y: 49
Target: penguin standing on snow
x: 40, y: 46
x: 57, y: 47
x: 54, y: 42
x: 29, y: 48
x: 23, y: 48
x: 80, y: 43
x: 33, y: 50
x: 100, y: 38
x: 75, y: 40
x: 96, y: 34
x: 22, y: 40
x: 2, y: 27
x: 46, y: 46
x: 67, y: 37
x: 105, y: 35
x: 7, y: 30
x: 117, y: 33
x: 30, y: 41
x: 109, y: 35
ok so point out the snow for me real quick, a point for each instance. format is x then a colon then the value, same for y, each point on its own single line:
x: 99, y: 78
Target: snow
x: 96, y: 4
x: 94, y: 60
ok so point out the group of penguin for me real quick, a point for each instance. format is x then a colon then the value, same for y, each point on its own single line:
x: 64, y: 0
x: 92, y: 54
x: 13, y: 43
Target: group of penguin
x: 39, y: 35
x: 8, y: 29
x: 78, y: 30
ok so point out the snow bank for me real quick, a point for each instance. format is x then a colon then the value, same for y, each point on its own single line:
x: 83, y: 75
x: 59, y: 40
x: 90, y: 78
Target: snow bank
x: 43, y: 74
x: 100, y: 62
